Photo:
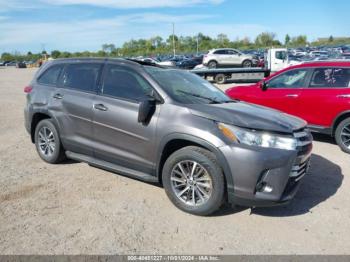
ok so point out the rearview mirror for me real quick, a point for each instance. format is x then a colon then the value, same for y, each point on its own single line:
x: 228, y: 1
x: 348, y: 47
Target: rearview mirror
x: 263, y: 85
x: 146, y: 110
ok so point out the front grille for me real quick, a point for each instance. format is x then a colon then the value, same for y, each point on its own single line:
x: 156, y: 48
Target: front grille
x: 298, y: 171
x: 304, y: 141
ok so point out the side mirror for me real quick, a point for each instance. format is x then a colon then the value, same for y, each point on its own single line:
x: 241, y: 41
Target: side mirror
x: 146, y: 110
x: 263, y: 85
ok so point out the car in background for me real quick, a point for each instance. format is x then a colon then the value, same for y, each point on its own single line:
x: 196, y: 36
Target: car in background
x: 189, y: 63
x: 224, y: 57
x: 21, y: 65
x: 156, y: 62
x: 12, y: 63
x: 318, y: 92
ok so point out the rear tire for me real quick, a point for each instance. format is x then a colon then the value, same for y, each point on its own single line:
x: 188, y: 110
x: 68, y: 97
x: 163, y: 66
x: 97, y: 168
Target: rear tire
x: 342, y: 135
x: 220, y: 79
x: 200, y: 174
x: 212, y: 64
x: 48, y: 143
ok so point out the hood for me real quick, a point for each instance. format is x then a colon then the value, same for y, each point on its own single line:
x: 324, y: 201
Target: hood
x: 249, y: 116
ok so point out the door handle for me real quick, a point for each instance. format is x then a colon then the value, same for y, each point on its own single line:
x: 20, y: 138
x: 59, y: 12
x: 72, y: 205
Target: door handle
x: 343, y: 96
x: 58, y: 96
x: 292, y: 95
x: 100, y: 107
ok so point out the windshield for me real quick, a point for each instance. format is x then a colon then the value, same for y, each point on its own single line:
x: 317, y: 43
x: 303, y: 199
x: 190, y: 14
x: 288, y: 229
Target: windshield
x: 187, y: 88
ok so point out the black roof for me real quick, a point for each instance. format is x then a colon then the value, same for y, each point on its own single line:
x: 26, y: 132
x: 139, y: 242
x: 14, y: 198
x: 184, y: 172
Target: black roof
x: 99, y: 59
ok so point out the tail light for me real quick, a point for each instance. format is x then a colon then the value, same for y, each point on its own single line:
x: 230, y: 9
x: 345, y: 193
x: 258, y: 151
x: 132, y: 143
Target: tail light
x: 28, y: 89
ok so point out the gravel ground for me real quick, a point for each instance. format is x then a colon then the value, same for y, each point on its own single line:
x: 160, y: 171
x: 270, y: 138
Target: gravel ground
x: 73, y: 208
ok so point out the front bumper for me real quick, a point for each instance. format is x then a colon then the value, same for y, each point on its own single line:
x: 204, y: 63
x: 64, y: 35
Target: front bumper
x: 264, y: 176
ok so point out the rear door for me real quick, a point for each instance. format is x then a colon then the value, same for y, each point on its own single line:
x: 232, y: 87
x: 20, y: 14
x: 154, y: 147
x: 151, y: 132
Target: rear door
x: 326, y: 96
x: 221, y: 56
x: 283, y: 91
x: 119, y: 138
x: 74, y: 101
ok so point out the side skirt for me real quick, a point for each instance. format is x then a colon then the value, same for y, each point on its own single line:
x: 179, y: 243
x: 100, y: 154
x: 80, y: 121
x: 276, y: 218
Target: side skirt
x: 320, y: 129
x: 112, y: 167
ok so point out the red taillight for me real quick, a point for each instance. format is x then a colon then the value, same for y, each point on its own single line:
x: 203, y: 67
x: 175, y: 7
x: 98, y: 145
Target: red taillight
x: 28, y: 89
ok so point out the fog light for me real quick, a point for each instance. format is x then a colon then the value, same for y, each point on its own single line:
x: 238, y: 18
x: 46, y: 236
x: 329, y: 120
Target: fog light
x: 267, y: 189
x: 264, y: 187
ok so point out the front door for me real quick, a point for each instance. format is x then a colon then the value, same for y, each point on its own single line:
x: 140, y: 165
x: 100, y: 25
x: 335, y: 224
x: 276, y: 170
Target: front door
x: 118, y: 136
x: 283, y: 91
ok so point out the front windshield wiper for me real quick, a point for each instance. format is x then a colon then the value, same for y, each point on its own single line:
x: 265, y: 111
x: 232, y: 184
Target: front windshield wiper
x: 212, y: 100
x: 231, y: 101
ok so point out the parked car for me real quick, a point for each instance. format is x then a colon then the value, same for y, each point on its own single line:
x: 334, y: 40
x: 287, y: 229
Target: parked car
x: 318, y: 92
x: 12, y: 63
x: 228, y: 57
x: 21, y: 65
x: 168, y: 126
x: 155, y: 61
x: 189, y: 63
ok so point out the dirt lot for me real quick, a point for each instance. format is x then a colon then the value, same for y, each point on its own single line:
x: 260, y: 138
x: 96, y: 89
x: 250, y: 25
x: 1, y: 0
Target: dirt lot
x: 73, y: 208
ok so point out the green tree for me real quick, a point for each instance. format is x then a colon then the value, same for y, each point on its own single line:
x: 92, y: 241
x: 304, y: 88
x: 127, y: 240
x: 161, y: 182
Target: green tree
x: 108, y: 48
x: 265, y: 39
x: 7, y: 57
x: 300, y: 40
x: 331, y: 39
x: 287, y: 40
x: 55, y: 54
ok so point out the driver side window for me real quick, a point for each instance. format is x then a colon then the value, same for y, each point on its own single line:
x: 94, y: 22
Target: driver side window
x: 289, y: 79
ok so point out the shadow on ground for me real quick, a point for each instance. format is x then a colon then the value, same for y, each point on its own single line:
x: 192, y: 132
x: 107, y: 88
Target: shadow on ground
x: 321, y: 183
x: 324, y: 138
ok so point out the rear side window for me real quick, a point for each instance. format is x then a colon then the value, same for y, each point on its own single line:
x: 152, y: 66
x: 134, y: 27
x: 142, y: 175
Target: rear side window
x: 330, y: 77
x: 50, y: 76
x: 82, y: 76
x: 123, y: 83
x: 220, y: 52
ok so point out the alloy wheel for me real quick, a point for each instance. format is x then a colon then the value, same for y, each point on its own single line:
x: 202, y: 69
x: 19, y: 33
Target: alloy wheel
x: 46, y: 141
x: 345, y: 136
x: 191, y: 183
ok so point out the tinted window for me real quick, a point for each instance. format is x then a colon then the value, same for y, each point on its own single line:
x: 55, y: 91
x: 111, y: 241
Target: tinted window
x: 124, y: 83
x: 185, y: 87
x: 50, y: 76
x: 220, y: 52
x: 81, y: 76
x: 282, y: 55
x: 330, y: 77
x: 232, y: 52
x: 289, y: 79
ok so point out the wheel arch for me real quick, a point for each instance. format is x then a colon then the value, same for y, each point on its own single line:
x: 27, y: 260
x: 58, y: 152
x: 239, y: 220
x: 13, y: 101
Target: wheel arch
x: 39, y: 116
x: 174, y: 142
x: 339, y: 119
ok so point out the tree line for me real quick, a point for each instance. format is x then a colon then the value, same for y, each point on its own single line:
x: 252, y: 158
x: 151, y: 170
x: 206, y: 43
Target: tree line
x: 183, y: 45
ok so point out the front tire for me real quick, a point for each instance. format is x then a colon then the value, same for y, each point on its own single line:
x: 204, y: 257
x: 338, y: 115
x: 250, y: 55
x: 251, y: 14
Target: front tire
x: 247, y: 63
x: 48, y: 143
x: 193, y: 181
x: 342, y: 135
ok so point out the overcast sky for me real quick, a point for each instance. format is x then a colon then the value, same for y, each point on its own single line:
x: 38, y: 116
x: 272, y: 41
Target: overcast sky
x: 77, y: 25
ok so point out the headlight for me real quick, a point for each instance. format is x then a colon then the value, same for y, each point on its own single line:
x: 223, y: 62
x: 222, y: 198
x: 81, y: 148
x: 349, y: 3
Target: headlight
x: 257, y: 138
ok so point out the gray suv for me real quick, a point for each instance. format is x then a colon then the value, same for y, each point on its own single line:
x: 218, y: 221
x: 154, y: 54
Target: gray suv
x: 166, y: 126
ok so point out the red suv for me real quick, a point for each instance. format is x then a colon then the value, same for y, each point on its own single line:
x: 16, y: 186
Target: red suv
x: 318, y: 92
